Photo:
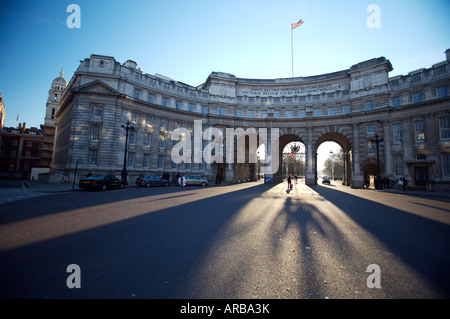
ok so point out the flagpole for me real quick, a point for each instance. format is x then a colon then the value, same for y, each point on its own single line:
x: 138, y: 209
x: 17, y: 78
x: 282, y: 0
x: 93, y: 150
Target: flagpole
x: 292, y: 49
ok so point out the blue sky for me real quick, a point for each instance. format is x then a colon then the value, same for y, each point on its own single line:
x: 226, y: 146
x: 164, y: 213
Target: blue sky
x: 187, y: 40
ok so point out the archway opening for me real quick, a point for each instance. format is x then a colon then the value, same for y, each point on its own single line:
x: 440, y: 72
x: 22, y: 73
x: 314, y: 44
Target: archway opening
x: 293, y: 161
x: 330, y: 162
x: 333, y: 158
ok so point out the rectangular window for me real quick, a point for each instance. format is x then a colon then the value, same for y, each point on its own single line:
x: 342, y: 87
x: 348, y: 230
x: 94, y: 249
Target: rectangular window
x: 178, y: 105
x: 174, y: 165
x: 151, y: 98
x: 147, y: 139
x: 263, y: 114
x: 417, y: 97
x: 397, y: 133
x: 148, y: 120
x: 396, y: 101
x: 95, y: 133
x: 441, y: 92
x: 191, y: 107
x: 289, y: 114
x: 163, y: 123
x: 445, y: 164
x: 346, y: 109
x: 93, y: 154
x: 419, y: 131
x: 371, y: 148
x: 238, y: 113
x: 277, y: 114
x: 187, y: 166
x: 97, y: 111
x: 222, y: 111
x: 165, y: 102
x: 162, y: 142
x: 146, y: 162
x: 301, y: 114
x: 136, y: 94
x: 160, y: 161
x: 370, y: 129
x: 444, y: 127
x: 204, y: 109
x: 250, y: 114
x: 369, y: 106
x: 331, y: 111
x: 130, y: 160
x: 133, y: 117
x: 131, y: 138
x: 398, y: 161
x: 316, y: 112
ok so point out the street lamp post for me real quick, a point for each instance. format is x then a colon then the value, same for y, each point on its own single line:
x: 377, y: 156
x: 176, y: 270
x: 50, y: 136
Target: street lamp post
x: 124, y: 174
x: 332, y: 165
x: 377, y: 141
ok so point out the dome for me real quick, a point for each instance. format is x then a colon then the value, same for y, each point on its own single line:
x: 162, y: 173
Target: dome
x: 60, y: 81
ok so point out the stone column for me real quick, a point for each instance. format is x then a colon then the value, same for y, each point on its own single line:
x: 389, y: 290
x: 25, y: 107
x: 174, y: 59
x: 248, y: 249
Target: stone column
x: 358, y: 178
x: 310, y: 176
x: 387, y: 149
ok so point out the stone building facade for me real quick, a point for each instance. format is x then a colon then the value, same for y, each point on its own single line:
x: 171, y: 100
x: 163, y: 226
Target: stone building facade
x: 408, y: 115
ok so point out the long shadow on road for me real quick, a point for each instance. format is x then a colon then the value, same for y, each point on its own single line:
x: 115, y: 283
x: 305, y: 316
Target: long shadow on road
x: 421, y: 243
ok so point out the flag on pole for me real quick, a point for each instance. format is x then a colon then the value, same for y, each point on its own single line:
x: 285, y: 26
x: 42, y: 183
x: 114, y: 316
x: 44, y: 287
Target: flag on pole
x: 295, y: 25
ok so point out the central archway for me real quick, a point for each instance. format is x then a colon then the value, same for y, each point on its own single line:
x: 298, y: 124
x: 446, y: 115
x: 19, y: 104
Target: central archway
x: 283, y: 141
x: 344, y: 143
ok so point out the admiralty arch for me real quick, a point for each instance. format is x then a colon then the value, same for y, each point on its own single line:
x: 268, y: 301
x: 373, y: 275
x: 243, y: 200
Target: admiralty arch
x: 407, y: 118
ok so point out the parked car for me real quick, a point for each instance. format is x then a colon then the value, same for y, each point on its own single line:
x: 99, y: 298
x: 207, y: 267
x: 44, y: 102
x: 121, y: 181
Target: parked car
x: 102, y: 182
x: 151, y: 180
x: 196, y: 180
x: 325, y: 180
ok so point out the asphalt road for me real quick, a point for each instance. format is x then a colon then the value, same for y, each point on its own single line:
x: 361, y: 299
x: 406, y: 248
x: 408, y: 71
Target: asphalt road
x: 243, y: 241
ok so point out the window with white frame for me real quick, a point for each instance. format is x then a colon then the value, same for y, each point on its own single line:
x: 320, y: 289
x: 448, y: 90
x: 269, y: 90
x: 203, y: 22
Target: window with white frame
x: 419, y: 131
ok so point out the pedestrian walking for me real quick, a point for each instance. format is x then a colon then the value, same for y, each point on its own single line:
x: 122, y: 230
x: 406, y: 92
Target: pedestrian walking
x: 289, y: 181
x: 182, y: 181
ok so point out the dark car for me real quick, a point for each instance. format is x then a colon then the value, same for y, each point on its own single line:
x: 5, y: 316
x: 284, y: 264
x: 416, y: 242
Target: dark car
x: 102, y: 182
x: 151, y: 180
x: 326, y: 180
